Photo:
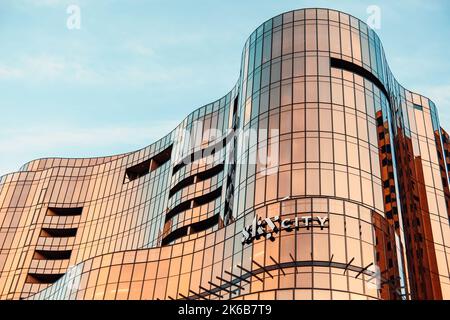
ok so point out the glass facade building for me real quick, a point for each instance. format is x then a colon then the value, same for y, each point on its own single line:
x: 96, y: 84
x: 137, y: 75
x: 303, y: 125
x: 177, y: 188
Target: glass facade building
x: 338, y: 188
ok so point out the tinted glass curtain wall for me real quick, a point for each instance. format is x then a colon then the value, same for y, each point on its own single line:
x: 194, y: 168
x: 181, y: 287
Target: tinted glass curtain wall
x: 356, y: 189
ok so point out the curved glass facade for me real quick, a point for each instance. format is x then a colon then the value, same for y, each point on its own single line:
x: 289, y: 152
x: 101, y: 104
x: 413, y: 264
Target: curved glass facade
x: 318, y: 176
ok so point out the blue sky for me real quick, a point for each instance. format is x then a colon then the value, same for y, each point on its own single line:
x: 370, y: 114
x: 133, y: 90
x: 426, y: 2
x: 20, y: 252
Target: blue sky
x: 136, y: 68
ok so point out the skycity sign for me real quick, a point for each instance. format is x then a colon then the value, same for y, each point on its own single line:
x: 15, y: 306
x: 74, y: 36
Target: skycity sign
x: 269, y: 226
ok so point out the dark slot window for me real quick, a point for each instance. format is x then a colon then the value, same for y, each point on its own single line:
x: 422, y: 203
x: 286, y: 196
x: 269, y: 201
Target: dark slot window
x: 200, y: 177
x: 161, y: 158
x: 138, y: 170
x: 178, y: 167
x: 351, y: 67
x: 417, y: 107
x: 207, y: 197
x: 182, y: 184
x: 52, y: 255
x: 193, y: 228
x: 197, y: 202
x: 43, y: 278
x: 179, y: 208
x: 175, y: 235
x: 58, y: 233
x: 209, y: 173
x: 64, y: 211
x: 205, y: 224
x: 147, y: 166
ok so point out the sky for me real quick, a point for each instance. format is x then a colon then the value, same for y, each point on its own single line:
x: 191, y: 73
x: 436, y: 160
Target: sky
x: 136, y: 68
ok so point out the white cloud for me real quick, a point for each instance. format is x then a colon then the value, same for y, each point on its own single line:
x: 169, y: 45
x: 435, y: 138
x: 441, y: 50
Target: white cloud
x: 139, y: 48
x: 20, y: 146
x: 44, y: 67
x: 41, y: 68
x: 155, y: 75
x: 43, y: 3
x: 81, y: 73
x: 9, y: 72
x: 48, y: 138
